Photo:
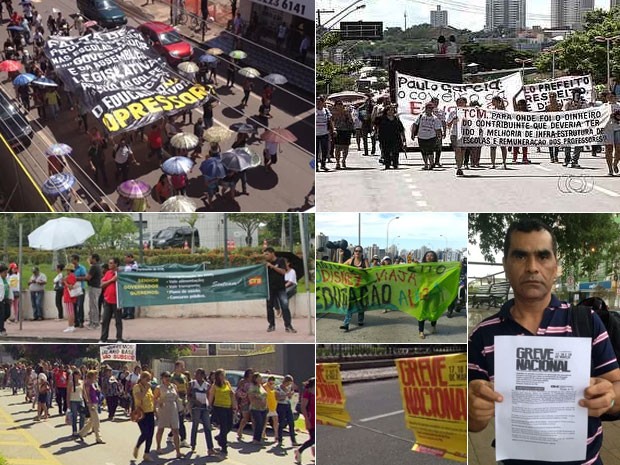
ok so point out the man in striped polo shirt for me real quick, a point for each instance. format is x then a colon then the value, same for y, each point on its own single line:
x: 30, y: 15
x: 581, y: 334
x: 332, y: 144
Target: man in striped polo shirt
x: 530, y: 263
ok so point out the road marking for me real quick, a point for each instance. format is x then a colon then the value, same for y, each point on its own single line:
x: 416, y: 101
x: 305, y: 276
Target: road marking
x: 421, y: 203
x: 607, y: 191
x: 416, y: 193
x: 544, y: 168
x: 376, y: 417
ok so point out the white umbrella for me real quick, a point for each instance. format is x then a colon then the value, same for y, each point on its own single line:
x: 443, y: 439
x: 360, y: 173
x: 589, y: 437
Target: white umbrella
x: 188, y: 67
x: 178, y: 203
x: 60, y: 233
x: 275, y: 79
x: 249, y: 72
x: 184, y: 140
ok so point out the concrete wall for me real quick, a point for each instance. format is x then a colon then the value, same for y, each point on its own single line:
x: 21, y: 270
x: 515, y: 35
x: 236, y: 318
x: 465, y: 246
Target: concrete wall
x: 248, y: 308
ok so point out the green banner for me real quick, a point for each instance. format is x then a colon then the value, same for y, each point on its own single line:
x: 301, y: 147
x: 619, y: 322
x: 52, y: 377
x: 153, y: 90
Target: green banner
x: 138, y: 288
x: 167, y: 267
x: 423, y: 290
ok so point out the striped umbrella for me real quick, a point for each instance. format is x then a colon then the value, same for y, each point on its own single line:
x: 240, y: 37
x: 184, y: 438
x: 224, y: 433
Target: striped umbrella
x: 58, y: 184
x: 213, y: 168
x: 134, y: 189
x: 58, y: 150
x: 238, y: 55
x: 23, y: 79
x: 177, y: 165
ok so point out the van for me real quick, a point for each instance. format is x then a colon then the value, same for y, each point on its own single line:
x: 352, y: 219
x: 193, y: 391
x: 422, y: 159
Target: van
x: 175, y: 237
x: 105, y: 12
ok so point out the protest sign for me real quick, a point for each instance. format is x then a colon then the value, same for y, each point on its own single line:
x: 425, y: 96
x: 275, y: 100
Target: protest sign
x: 330, y: 399
x: 413, y: 92
x: 120, y: 79
x: 434, y: 393
x: 144, y: 288
x: 118, y: 352
x: 423, y: 290
x: 167, y: 267
x: 480, y: 127
x: 537, y: 95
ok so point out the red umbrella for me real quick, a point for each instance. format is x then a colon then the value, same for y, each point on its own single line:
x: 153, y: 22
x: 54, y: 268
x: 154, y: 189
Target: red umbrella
x: 10, y: 65
x: 278, y: 135
x: 91, y: 23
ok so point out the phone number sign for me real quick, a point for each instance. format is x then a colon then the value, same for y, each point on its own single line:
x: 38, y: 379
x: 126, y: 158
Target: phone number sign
x: 303, y: 8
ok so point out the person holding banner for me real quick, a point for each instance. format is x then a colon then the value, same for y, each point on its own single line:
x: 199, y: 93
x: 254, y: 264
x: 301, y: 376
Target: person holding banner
x: 357, y: 261
x: 276, y: 270
x: 455, y: 128
x: 441, y: 115
x: 498, y: 104
x: 521, y: 106
x: 428, y: 129
x: 554, y: 106
x: 576, y: 103
x: 429, y: 257
x: 391, y: 135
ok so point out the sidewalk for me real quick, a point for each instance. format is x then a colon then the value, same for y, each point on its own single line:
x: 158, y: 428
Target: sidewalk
x: 261, y: 58
x: 369, y: 374
x: 213, y: 329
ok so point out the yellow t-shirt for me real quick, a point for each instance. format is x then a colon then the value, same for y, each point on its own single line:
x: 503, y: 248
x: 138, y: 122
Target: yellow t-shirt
x: 148, y: 404
x: 272, y: 403
x: 221, y: 396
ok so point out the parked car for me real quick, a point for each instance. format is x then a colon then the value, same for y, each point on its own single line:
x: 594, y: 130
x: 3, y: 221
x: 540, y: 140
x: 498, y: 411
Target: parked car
x: 175, y: 237
x: 14, y: 126
x: 167, y: 41
x: 105, y: 12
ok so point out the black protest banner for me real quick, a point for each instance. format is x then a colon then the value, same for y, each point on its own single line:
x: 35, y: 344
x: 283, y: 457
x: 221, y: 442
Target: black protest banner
x: 121, y: 79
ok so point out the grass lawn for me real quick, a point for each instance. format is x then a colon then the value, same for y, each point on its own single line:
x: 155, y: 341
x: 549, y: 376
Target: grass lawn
x: 301, y: 286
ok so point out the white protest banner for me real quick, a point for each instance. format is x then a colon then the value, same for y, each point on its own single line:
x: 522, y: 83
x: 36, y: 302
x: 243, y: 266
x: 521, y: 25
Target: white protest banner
x: 118, y: 352
x: 537, y: 95
x: 412, y: 93
x: 480, y: 127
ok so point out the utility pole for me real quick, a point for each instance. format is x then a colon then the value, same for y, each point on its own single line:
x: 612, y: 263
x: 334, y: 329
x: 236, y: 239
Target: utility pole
x: 405, y: 20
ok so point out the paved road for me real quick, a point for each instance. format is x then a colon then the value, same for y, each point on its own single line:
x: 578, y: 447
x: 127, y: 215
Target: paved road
x: 285, y: 188
x: 540, y: 186
x: 391, y: 327
x: 24, y: 441
x: 381, y: 440
x: 242, y: 329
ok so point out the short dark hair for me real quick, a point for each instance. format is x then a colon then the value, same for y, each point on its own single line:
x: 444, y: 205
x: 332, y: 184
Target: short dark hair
x: 527, y: 225
x: 60, y: 266
x: 75, y: 257
x: 116, y: 260
x: 3, y: 268
x: 96, y: 257
x: 130, y: 255
x: 269, y: 249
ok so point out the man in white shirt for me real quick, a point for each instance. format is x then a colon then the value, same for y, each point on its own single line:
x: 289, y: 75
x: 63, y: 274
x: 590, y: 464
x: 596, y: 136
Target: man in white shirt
x: 324, y: 127
x: 455, y: 136
x: 428, y: 128
x: 122, y: 152
x: 36, y: 286
x: 441, y: 114
x: 6, y: 298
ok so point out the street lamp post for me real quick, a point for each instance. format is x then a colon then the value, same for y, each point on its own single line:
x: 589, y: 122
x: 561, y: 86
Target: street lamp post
x: 522, y: 62
x: 387, y: 239
x: 342, y: 15
x: 344, y: 12
x: 553, y: 52
x: 608, y: 41
x: 318, y: 16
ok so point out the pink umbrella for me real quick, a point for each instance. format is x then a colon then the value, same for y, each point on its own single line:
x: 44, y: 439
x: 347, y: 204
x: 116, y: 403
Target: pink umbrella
x: 134, y: 189
x: 90, y: 23
x: 278, y: 135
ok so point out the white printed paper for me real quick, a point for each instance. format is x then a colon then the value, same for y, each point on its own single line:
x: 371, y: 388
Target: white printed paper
x: 542, y: 380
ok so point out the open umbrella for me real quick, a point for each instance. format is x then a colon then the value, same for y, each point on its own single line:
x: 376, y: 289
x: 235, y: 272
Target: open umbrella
x: 312, y: 163
x: 238, y: 55
x: 215, y: 51
x: 58, y: 184
x: 61, y: 233
x: 296, y: 263
x: 8, y: 66
x: 23, y: 79
x: 90, y: 23
x: 25, y: 2
x: 243, y: 127
x: 16, y: 28
x: 213, y: 168
x: 58, y: 150
x: 278, y: 135
x: 184, y: 140
x: 134, y: 189
x: 249, y: 72
x: 218, y: 134
x: 44, y: 82
x: 275, y: 79
x: 55, y: 10
x: 347, y: 97
x: 177, y: 165
x: 179, y: 204
x: 239, y: 159
x: 188, y: 67
x: 206, y: 58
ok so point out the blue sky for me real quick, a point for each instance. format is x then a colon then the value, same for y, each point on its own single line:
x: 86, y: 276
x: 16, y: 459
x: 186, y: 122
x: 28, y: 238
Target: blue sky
x: 414, y: 229
x: 391, y: 12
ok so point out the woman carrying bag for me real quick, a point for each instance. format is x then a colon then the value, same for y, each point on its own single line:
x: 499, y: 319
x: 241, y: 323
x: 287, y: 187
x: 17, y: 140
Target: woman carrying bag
x: 71, y: 290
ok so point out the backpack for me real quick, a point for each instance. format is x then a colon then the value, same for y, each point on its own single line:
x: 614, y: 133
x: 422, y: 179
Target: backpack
x: 581, y: 322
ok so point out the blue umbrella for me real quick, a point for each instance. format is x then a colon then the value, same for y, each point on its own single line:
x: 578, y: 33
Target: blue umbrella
x: 58, y: 184
x: 16, y: 28
x: 206, y: 58
x: 24, y: 79
x: 313, y: 163
x: 213, y: 168
x: 177, y: 165
x: 58, y: 150
x: 45, y: 82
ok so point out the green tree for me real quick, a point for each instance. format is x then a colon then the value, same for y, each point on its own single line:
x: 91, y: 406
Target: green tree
x: 112, y: 231
x: 493, y: 56
x: 585, y: 241
x: 146, y: 353
x: 249, y: 222
x: 191, y: 222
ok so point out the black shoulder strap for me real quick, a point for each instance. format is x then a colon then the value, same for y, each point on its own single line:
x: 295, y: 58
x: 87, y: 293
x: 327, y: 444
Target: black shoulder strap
x: 581, y: 321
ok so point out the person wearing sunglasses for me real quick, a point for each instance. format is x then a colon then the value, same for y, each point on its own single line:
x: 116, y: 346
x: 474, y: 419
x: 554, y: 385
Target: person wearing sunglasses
x: 358, y: 261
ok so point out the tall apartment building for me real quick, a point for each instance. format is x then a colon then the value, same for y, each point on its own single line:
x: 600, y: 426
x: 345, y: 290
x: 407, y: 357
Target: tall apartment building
x: 508, y: 14
x: 439, y: 17
x: 570, y: 13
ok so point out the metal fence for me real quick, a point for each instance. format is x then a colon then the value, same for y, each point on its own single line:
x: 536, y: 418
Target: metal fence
x: 353, y: 352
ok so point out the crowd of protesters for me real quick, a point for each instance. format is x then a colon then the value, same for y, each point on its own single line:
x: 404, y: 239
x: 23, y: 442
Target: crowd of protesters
x: 83, y: 393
